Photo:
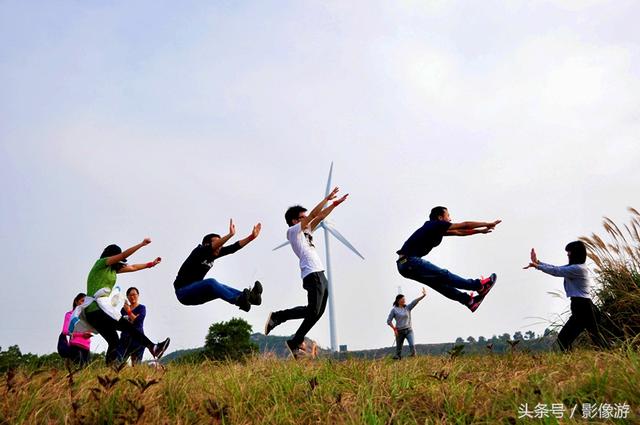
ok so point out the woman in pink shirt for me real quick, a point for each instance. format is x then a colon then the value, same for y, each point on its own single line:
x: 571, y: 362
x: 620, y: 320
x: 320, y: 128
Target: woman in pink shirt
x: 75, y: 348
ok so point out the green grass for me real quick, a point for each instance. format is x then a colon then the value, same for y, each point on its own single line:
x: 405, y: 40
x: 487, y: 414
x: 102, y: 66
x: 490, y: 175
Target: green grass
x: 470, y: 389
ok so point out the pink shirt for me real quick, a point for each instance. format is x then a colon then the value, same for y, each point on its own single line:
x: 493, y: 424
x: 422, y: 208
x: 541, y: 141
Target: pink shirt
x: 78, y: 339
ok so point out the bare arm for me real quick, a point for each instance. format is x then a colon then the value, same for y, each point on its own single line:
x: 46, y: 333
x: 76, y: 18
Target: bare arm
x: 471, y: 225
x: 135, y: 267
x: 254, y: 234
x: 223, y: 240
x: 127, y: 252
x: 325, y: 212
x: 304, y: 223
x: 467, y: 232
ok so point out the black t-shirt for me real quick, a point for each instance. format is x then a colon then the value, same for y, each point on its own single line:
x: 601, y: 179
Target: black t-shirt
x: 423, y: 240
x: 199, y: 262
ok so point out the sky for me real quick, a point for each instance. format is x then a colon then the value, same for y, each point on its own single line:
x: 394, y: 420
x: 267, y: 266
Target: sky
x: 121, y: 120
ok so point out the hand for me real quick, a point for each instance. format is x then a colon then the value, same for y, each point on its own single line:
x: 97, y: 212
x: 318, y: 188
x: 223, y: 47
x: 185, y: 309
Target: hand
x: 340, y: 200
x: 493, y: 224
x: 534, y: 260
x: 146, y: 241
x: 534, y: 256
x: 256, y: 230
x: 332, y: 195
x: 424, y: 292
x: 395, y: 331
x: 232, y: 227
x: 485, y: 230
x: 154, y: 262
x: 127, y: 307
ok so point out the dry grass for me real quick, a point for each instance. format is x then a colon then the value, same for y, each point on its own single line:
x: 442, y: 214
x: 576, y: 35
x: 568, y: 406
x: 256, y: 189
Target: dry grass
x: 617, y: 260
x: 469, y: 389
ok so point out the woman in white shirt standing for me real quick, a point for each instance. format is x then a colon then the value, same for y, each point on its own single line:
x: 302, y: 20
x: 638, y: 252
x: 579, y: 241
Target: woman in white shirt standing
x: 584, y: 314
x: 401, y: 312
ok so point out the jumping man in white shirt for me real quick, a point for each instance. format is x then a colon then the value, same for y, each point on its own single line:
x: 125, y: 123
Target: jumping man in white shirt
x: 301, y: 225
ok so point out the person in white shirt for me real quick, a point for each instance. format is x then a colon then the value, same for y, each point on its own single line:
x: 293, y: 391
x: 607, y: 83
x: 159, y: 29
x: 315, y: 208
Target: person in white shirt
x: 301, y: 226
x: 577, y: 286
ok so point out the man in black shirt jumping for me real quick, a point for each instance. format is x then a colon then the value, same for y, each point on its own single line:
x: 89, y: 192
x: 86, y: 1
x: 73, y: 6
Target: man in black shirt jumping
x: 422, y: 241
x: 193, y: 289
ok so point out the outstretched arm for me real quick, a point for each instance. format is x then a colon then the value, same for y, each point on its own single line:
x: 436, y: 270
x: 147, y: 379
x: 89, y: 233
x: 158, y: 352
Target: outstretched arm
x: 318, y: 208
x: 254, y: 234
x: 135, y: 267
x: 325, y: 212
x: 127, y: 252
x: 415, y: 302
x: 223, y: 240
x: 570, y: 270
x: 468, y: 228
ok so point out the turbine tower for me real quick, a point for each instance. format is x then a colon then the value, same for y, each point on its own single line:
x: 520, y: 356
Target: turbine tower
x: 329, y: 229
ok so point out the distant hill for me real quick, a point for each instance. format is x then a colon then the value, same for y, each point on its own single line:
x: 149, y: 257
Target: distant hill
x: 275, y: 345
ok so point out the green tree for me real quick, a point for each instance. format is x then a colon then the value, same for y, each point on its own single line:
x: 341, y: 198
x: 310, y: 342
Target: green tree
x: 517, y: 336
x: 229, y: 340
x: 530, y: 335
x: 10, y: 358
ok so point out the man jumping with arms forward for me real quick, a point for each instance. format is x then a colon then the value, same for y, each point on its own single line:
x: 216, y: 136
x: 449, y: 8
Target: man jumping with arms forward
x: 422, y: 241
x: 314, y: 281
x: 193, y: 289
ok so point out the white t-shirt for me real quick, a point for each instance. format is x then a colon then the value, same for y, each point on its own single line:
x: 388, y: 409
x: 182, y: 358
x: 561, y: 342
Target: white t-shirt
x: 305, y: 250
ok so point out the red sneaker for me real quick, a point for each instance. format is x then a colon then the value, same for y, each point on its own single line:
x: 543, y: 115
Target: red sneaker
x: 487, y: 284
x: 475, y: 302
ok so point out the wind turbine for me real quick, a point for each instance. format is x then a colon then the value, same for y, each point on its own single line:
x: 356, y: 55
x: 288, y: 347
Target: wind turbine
x: 329, y: 229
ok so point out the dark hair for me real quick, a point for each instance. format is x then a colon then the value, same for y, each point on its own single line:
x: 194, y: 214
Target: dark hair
x: 577, y: 252
x: 133, y: 288
x: 293, y: 213
x: 396, y: 303
x: 437, y: 212
x: 110, y: 251
x: 207, y: 239
x: 77, y: 298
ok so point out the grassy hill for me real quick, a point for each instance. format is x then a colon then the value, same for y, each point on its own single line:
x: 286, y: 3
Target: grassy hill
x: 488, y: 388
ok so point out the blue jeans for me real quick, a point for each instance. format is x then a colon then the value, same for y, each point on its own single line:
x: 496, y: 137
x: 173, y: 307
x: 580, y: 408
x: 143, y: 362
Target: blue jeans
x: 438, y: 279
x: 129, y: 347
x: 203, y: 291
x: 400, y: 337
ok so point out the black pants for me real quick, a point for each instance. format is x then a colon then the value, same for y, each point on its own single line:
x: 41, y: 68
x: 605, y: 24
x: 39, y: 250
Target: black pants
x: 76, y: 354
x: 584, y: 315
x: 107, y: 327
x: 316, y: 286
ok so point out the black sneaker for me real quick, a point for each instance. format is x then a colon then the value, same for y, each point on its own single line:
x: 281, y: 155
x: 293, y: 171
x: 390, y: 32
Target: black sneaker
x: 271, y: 323
x: 159, y: 349
x: 295, y: 351
x: 487, y: 284
x: 243, y: 301
x: 255, y: 295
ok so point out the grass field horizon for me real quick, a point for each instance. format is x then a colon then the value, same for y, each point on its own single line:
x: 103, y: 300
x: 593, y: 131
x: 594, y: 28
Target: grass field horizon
x: 487, y: 388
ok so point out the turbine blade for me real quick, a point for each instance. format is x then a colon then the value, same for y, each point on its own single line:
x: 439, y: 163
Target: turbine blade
x: 342, y: 239
x: 326, y: 192
x: 281, y: 245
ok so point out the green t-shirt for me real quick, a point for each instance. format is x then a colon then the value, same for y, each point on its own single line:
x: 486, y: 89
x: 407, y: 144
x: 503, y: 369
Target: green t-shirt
x: 100, y: 276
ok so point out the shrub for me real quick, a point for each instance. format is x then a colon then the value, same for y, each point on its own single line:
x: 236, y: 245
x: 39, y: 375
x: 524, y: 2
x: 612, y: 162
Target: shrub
x: 617, y: 264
